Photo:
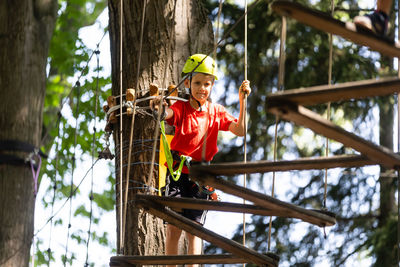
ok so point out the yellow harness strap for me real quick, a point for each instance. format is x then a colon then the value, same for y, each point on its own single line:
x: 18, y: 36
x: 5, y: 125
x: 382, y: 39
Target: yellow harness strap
x: 168, y: 156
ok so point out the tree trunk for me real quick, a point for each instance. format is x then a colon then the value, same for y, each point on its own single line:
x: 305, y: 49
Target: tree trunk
x: 386, y: 256
x: 172, y: 31
x: 25, y: 31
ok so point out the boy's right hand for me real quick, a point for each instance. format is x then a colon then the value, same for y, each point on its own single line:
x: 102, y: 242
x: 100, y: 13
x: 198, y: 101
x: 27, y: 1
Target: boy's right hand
x: 155, y: 106
x: 155, y: 102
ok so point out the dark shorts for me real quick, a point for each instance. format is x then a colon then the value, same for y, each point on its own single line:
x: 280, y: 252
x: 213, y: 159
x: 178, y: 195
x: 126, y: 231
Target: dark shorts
x: 187, y: 189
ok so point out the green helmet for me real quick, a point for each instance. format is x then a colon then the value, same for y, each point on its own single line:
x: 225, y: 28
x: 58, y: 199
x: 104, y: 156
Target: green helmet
x: 207, y: 65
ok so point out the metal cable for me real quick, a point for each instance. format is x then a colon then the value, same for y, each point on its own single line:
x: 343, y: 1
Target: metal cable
x: 121, y: 226
x: 245, y: 118
x: 54, y: 192
x: 73, y: 168
x: 281, y: 76
x: 132, y: 126
x: 398, y: 143
x: 328, y: 109
x: 93, y: 157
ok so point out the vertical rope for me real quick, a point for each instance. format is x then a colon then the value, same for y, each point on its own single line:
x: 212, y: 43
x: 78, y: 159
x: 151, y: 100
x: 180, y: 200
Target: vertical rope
x: 398, y: 143
x: 54, y: 187
x: 330, y: 63
x: 157, y: 128
x: 73, y: 168
x: 97, y: 52
x: 204, y: 147
x: 245, y: 118
x: 281, y: 76
x: 125, y: 202
x: 121, y: 235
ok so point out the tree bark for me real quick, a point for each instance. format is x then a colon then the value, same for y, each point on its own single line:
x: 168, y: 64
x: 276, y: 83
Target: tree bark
x: 172, y: 31
x: 25, y: 31
x: 386, y: 257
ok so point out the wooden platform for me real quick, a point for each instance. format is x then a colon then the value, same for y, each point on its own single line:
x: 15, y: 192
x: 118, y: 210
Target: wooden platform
x: 324, y: 22
x: 338, y: 92
x: 194, y: 228
x: 305, y: 117
x: 263, y: 166
x: 125, y: 261
x: 264, y: 201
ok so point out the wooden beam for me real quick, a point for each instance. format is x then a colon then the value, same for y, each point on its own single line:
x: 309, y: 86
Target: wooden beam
x: 324, y: 22
x: 305, y: 117
x: 338, y: 92
x: 263, y: 166
x: 176, y: 259
x: 267, y: 202
x: 178, y: 204
x: 198, y: 230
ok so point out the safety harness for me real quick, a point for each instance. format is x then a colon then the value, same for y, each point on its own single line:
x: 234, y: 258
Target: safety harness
x: 176, y: 174
x: 183, y: 160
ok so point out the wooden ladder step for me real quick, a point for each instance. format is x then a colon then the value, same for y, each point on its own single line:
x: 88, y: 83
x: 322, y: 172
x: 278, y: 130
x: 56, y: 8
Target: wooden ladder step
x: 338, y: 92
x: 194, y: 228
x: 122, y: 261
x: 324, y: 22
x: 267, y: 202
x: 177, y: 204
x: 307, y: 118
x: 263, y: 166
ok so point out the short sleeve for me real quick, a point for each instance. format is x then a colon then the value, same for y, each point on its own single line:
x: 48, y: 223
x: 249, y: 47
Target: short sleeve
x: 175, y: 120
x: 225, y: 118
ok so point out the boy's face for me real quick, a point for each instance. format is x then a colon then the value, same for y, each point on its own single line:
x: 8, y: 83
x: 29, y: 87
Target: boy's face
x: 201, y: 86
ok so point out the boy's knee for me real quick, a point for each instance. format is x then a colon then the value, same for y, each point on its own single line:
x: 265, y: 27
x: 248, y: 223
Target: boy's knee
x: 173, y: 232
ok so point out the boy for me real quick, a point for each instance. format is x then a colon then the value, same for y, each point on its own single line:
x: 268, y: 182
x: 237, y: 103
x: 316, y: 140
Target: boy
x: 193, y: 120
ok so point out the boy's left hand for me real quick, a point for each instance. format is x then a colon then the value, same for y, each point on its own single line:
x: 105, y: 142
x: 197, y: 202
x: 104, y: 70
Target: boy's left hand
x: 244, y: 89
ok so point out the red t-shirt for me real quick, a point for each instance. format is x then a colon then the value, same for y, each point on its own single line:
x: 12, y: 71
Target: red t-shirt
x: 191, y: 126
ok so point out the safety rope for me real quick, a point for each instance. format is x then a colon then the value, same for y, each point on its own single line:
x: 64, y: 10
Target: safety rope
x: 245, y: 118
x: 328, y: 109
x: 398, y: 144
x: 73, y: 169
x: 281, y: 76
x: 131, y: 129
x: 160, y: 106
x: 121, y: 226
x: 57, y: 161
x: 54, y: 193
x: 97, y: 52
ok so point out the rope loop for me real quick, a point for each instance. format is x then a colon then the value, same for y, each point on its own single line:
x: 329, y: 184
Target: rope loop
x: 35, y: 162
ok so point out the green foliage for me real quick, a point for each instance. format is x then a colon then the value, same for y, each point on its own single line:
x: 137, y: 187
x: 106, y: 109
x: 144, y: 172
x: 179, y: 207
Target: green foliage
x: 69, y: 111
x: 105, y: 201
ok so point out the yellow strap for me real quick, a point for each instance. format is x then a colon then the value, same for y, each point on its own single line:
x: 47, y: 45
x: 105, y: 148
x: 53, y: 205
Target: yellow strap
x: 168, y: 156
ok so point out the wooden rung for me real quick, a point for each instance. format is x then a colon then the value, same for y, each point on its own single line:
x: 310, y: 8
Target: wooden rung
x: 267, y: 202
x: 338, y: 92
x: 196, y: 229
x: 324, y: 22
x: 305, y: 117
x: 190, y: 203
x: 176, y: 259
x: 263, y: 166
